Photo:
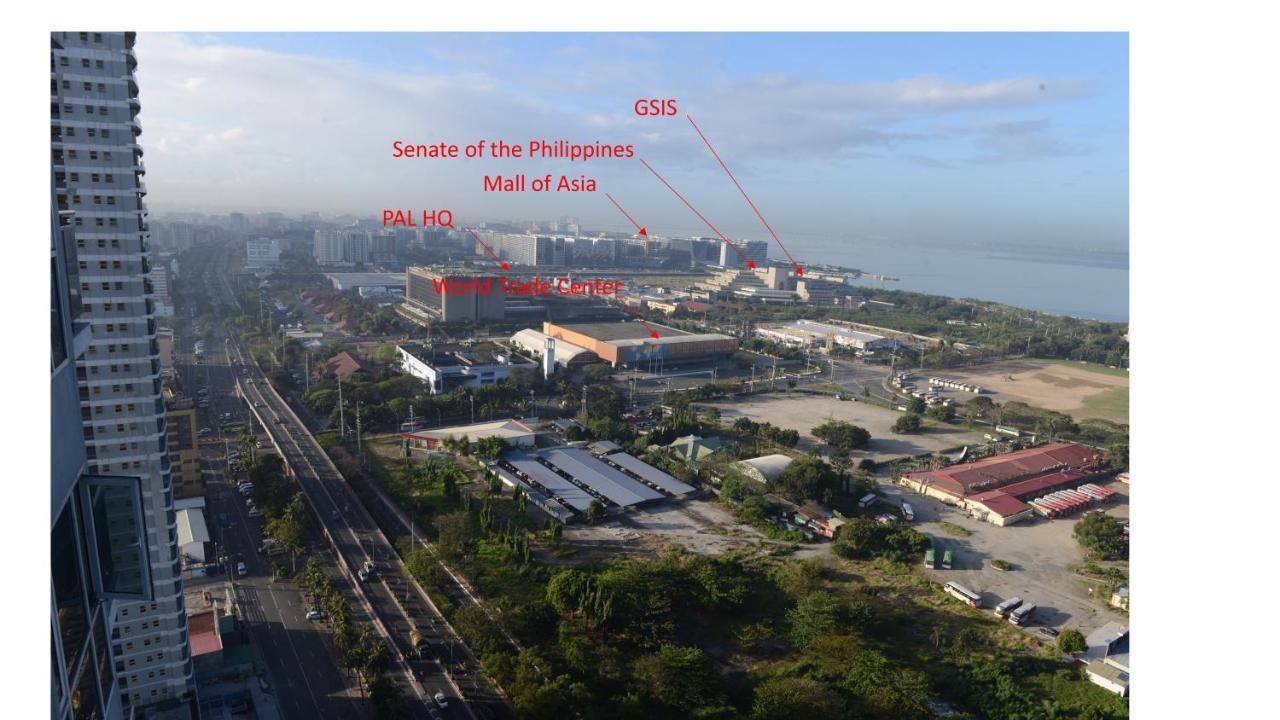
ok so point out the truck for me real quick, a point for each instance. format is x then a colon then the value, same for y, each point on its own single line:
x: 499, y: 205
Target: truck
x: 907, y: 512
x: 1003, y: 609
x: 1022, y: 615
x: 946, y: 559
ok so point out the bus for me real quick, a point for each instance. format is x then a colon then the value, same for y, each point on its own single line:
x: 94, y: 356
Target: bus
x: 1008, y: 606
x: 946, y: 559
x: 963, y: 594
x: 907, y: 512
x: 867, y: 500
x: 1022, y: 614
x: 929, y: 561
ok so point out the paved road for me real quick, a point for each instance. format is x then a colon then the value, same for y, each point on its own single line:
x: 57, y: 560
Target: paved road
x: 301, y: 661
x: 398, y: 606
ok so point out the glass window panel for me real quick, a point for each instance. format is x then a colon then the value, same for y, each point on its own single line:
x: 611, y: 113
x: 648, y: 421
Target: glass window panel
x: 68, y: 587
x: 119, y: 535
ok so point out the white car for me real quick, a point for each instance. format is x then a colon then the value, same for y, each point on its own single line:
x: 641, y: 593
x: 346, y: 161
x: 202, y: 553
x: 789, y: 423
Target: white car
x: 255, y: 512
x: 315, y: 614
x: 364, y: 576
x: 206, y: 431
x: 242, y: 569
x: 441, y: 700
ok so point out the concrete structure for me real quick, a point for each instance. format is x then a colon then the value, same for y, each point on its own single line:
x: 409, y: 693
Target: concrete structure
x: 262, y: 253
x: 98, y: 173
x: 743, y: 284
x: 182, y: 437
x: 454, y: 296
x: 631, y: 343
x: 757, y: 250
x: 809, y: 333
x: 164, y: 338
x: 445, y: 368
x: 1106, y: 661
x: 765, y: 468
x: 347, y: 246
x: 83, y: 679
x: 358, y: 281
x: 514, y: 432
x: 567, y: 354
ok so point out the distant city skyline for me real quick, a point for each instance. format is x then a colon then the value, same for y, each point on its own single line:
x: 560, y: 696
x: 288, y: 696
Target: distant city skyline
x: 961, y: 139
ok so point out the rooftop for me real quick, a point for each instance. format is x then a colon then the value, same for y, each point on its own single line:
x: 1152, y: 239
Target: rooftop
x: 1001, y: 470
x: 1000, y: 503
x: 505, y: 429
x: 608, y: 331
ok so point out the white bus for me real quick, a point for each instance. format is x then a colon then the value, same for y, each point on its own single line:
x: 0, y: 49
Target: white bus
x: 963, y: 594
x: 1022, y: 614
x: 1008, y: 606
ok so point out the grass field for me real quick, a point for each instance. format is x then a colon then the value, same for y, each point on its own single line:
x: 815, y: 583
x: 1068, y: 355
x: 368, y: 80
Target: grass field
x: 1079, y: 389
x: 1110, y: 405
x: 1092, y: 367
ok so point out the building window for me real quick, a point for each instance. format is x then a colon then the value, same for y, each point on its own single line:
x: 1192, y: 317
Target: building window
x: 64, y: 61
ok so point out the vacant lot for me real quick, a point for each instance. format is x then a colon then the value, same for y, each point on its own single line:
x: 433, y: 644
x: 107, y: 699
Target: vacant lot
x: 802, y: 413
x: 1041, y: 551
x: 1080, y: 390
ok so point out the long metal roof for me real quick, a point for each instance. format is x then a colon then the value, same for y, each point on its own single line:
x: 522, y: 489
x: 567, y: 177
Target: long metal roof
x: 563, y: 489
x: 602, y: 478
x: 648, y: 472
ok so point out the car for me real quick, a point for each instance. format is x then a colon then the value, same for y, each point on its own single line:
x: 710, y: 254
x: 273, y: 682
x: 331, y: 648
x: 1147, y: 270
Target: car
x: 335, y: 515
x: 248, y: 501
x: 1051, y: 632
x: 364, y: 576
x: 440, y: 699
x: 257, y: 403
x: 368, y: 567
x: 278, y: 420
x: 206, y: 431
x: 315, y: 614
x: 255, y: 513
x: 242, y: 569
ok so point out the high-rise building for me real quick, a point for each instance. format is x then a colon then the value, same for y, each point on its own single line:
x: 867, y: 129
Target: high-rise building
x: 757, y: 250
x: 476, y: 297
x: 340, y: 247
x: 98, y: 178
x: 262, y: 252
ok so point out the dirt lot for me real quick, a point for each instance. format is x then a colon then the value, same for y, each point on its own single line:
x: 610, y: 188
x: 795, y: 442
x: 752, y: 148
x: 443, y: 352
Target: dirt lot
x: 698, y: 525
x: 1040, y: 550
x: 804, y: 412
x: 1080, y: 391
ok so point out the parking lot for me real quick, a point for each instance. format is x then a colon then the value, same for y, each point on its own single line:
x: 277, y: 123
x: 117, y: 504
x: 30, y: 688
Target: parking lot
x: 804, y: 412
x: 1040, y: 550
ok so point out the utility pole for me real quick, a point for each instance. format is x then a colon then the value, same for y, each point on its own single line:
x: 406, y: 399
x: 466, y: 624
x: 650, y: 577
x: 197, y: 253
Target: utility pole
x: 308, y: 369
x: 359, y: 447
x: 342, y: 424
x: 473, y: 408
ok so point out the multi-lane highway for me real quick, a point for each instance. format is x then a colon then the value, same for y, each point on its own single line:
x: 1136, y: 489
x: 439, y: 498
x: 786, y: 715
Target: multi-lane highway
x: 397, y: 606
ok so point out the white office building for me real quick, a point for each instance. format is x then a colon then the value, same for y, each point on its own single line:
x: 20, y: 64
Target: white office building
x: 261, y: 253
x: 98, y: 173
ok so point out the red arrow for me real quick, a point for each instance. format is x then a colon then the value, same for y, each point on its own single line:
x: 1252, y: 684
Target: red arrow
x: 799, y: 270
x: 639, y: 230
x: 652, y: 333
x: 750, y: 263
x: 488, y: 249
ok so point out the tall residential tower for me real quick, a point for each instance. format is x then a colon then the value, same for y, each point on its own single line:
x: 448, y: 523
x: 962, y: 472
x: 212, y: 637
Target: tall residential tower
x: 98, y: 169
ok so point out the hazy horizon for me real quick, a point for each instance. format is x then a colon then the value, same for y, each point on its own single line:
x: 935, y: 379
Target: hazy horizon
x: 976, y: 140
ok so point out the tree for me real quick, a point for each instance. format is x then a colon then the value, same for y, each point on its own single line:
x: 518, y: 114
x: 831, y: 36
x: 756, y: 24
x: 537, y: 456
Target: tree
x: 907, y: 423
x: 916, y: 405
x: 816, y: 615
x: 387, y: 699
x: 680, y: 678
x: 941, y: 412
x: 1102, y: 535
x: 1072, y: 641
x: 808, y: 478
x: 1118, y: 455
x: 595, y: 373
x: 386, y: 354
x: 796, y: 697
x: 490, y: 448
x: 454, y: 532
x: 842, y: 435
x: 595, y: 512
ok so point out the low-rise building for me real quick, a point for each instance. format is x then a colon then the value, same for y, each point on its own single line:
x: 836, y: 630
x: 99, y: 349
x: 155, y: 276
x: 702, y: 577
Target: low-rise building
x: 445, y: 368
x: 692, y: 448
x: 765, y: 468
x: 342, y: 365
x: 1106, y: 661
x: 182, y: 436
x: 514, y: 432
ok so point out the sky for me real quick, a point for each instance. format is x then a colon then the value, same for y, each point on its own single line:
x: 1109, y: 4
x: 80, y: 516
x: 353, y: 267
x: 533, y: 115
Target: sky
x: 928, y: 139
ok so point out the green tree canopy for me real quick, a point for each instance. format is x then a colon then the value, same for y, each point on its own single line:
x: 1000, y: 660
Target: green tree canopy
x: 907, y: 423
x: 842, y: 435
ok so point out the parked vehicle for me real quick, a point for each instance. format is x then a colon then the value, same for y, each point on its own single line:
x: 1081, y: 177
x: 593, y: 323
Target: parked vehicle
x: 963, y: 594
x: 1003, y: 609
x: 946, y: 559
x: 1022, y: 615
x: 315, y: 614
x: 255, y: 513
x: 364, y: 577
x: 1051, y: 632
x: 441, y: 700
x: 242, y: 569
x: 907, y: 512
